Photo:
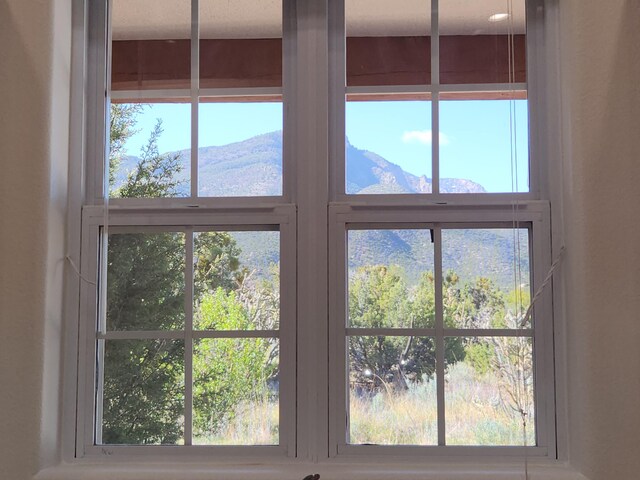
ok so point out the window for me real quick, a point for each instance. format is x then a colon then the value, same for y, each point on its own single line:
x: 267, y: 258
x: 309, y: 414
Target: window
x: 430, y: 269
x: 178, y: 299
x: 315, y: 232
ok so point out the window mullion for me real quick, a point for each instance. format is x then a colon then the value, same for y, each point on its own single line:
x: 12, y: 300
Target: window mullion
x: 312, y: 184
x: 99, y: 369
x: 439, y: 306
x: 435, y: 99
x: 195, y: 86
x: 338, y: 89
x: 188, y: 339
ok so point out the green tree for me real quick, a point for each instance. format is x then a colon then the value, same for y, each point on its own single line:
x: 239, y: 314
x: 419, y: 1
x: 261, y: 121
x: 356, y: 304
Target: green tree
x: 155, y: 175
x: 143, y: 386
x: 122, y: 121
x: 380, y: 298
x: 216, y: 263
x: 145, y: 291
x: 228, y: 371
x: 480, y: 304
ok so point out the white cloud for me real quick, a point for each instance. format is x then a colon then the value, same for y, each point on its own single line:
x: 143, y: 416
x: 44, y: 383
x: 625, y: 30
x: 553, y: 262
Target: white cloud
x: 423, y: 136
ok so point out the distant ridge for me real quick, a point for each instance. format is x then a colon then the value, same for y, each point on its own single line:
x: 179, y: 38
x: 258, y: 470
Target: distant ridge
x: 253, y: 167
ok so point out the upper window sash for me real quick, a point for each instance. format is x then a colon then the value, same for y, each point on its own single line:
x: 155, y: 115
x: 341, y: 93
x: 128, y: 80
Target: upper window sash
x: 209, y: 91
x: 426, y: 87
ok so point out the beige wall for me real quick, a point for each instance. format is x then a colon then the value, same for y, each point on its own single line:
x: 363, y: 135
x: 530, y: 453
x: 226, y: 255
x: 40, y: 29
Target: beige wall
x: 601, y: 105
x: 34, y: 118
x: 601, y: 76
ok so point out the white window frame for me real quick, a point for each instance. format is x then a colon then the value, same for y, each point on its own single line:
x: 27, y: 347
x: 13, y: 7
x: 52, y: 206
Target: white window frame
x: 176, y: 214
x: 436, y: 209
x: 338, y: 92
x: 91, y: 332
x: 532, y: 215
x: 315, y: 207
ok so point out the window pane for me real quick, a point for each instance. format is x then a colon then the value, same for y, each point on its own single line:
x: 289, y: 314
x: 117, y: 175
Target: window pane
x: 388, y: 43
x: 482, y: 42
x: 150, y: 46
x: 235, y: 391
x: 240, y: 149
x: 488, y: 391
x: 240, y: 43
x: 390, y: 279
x: 237, y: 280
x: 392, y: 391
x: 485, y: 147
x: 486, y: 277
x: 388, y: 147
x: 145, y: 281
x: 143, y: 399
x: 149, y: 150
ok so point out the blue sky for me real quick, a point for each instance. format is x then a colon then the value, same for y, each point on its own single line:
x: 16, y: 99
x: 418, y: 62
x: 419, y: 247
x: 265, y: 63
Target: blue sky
x: 219, y: 124
x: 475, y: 140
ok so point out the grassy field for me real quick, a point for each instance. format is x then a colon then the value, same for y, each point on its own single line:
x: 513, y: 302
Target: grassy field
x: 387, y: 418
x: 476, y: 414
x: 254, y: 423
x: 474, y: 410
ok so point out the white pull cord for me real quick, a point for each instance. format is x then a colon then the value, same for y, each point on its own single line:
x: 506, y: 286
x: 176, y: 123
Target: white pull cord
x: 77, y: 271
x: 522, y: 324
x: 545, y: 282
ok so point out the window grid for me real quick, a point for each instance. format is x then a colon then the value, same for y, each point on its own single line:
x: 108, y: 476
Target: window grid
x: 281, y: 219
x: 440, y: 332
x: 348, y: 218
x: 142, y: 214
x: 193, y: 95
x: 433, y: 91
x: 188, y: 334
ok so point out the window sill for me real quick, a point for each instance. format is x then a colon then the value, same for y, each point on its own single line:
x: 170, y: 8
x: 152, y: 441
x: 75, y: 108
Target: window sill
x: 544, y: 470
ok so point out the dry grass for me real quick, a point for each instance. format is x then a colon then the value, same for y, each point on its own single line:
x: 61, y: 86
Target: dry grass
x: 474, y: 410
x: 409, y: 418
x: 476, y: 414
x: 254, y: 423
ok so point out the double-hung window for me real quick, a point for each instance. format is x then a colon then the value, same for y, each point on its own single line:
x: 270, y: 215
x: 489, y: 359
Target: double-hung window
x: 438, y: 241
x: 314, y: 230
x: 192, y: 234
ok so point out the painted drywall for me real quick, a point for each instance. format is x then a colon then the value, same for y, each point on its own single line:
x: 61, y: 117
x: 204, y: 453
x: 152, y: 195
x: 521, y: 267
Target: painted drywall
x: 34, y: 99
x: 601, y: 92
x: 601, y: 107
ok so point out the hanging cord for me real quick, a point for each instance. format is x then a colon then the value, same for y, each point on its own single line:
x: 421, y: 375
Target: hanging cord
x: 77, y: 271
x: 545, y: 282
x: 517, y: 267
x: 527, y: 317
x: 517, y: 253
x: 105, y: 232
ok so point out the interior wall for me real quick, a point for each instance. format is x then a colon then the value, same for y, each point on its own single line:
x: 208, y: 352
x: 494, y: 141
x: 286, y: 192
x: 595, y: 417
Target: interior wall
x: 601, y: 102
x: 601, y: 90
x: 34, y: 98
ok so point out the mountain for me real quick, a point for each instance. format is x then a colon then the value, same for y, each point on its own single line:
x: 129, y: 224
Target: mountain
x: 253, y: 167
x: 470, y: 253
x: 369, y: 173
